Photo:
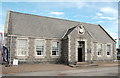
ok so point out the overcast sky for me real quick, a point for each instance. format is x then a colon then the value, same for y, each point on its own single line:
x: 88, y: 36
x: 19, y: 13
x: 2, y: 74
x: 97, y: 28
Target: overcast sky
x: 103, y: 13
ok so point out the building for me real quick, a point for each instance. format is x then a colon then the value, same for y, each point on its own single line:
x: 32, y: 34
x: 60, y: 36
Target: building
x: 1, y: 44
x: 38, y: 39
x: 1, y: 37
x: 1, y: 40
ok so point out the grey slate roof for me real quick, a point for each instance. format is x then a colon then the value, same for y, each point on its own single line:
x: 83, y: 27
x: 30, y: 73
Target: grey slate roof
x: 46, y: 27
x: 69, y: 31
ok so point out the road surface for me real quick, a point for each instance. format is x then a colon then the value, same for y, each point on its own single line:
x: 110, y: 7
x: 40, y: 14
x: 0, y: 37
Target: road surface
x: 91, y: 71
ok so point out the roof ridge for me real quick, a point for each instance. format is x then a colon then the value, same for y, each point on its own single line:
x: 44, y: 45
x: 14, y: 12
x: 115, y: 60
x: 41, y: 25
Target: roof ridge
x: 51, y: 17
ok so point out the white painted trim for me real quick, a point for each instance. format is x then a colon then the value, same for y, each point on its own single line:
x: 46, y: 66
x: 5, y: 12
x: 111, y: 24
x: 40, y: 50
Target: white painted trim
x: 97, y: 50
x: 65, y: 33
x: 59, y: 49
x: 16, y: 54
x: 39, y: 56
x: 69, y: 47
x: 76, y: 46
x: 99, y: 55
x: 44, y: 51
x: 110, y: 50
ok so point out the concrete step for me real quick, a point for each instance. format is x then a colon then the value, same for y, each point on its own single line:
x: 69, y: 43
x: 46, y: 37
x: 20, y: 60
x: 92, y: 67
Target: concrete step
x: 81, y: 63
x: 86, y: 65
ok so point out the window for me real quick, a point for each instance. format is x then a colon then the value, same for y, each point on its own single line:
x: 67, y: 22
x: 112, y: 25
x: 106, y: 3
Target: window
x: 99, y: 49
x: 108, y: 49
x: 39, y: 47
x: 55, y: 48
x: 22, y: 47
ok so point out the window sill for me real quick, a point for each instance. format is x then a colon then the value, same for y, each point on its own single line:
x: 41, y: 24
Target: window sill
x: 39, y: 56
x: 108, y: 55
x: 99, y: 55
x: 55, y: 56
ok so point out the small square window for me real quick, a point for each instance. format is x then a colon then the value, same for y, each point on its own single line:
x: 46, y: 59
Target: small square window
x: 53, y: 52
x: 39, y: 53
x: 99, y: 53
x: 108, y: 53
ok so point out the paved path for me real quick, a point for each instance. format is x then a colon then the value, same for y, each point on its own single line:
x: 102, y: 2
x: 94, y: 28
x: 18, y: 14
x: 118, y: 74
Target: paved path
x: 91, y: 71
x: 34, y: 68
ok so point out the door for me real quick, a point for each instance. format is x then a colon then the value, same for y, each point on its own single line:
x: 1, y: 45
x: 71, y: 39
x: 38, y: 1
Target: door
x: 80, y: 55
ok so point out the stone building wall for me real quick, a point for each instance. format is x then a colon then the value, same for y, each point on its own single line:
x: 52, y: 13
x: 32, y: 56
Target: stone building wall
x: 31, y: 48
x: 32, y: 58
x: 68, y: 50
x: 104, y: 56
x: 10, y: 43
x: 64, y: 51
x: 75, y: 36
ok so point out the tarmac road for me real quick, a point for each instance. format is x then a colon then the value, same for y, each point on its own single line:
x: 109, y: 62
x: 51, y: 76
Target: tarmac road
x: 91, y: 71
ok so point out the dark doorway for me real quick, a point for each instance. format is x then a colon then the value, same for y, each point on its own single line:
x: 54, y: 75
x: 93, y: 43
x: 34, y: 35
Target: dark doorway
x: 81, y: 51
x: 80, y: 55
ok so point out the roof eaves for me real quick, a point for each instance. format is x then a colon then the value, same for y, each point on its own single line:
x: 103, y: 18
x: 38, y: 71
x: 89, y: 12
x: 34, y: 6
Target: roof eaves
x: 65, y: 34
x: 70, y: 31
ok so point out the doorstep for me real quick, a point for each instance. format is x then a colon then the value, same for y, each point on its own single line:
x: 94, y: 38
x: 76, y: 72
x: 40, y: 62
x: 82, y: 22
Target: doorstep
x: 88, y: 65
x: 82, y: 64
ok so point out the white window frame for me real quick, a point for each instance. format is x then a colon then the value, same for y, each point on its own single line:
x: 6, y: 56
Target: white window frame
x: 43, y: 47
x: 110, y: 50
x: 98, y: 49
x: 26, y: 46
x: 59, y: 47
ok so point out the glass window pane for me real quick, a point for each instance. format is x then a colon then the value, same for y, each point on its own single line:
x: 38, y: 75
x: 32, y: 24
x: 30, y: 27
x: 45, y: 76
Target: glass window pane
x: 53, y: 52
x: 39, y: 47
x: 99, y: 49
x: 22, y: 47
x: 108, y: 49
x: 55, y: 48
